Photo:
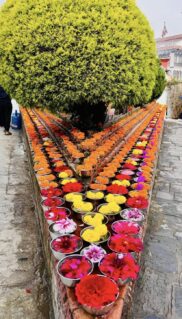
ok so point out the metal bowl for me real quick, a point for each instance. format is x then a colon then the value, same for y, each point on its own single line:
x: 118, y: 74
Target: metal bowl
x: 55, y: 234
x: 104, y: 221
x: 71, y: 282
x: 102, y: 240
x: 59, y: 255
x: 104, y: 309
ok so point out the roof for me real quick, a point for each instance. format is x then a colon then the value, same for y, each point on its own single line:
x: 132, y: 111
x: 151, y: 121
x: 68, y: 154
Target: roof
x: 173, y: 37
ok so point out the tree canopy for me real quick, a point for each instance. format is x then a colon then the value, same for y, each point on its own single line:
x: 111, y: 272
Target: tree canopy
x: 57, y: 53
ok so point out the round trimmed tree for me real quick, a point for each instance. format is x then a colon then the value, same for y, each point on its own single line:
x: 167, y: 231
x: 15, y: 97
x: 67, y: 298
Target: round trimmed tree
x: 76, y: 55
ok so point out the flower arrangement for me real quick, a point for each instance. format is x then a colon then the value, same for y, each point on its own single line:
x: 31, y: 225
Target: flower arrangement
x: 94, y: 253
x: 53, y: 202
x: 119, y: 199
x: 73, y: 187
x: 111, y: 208
x: 124, y: 182
x: 125, y: 227
x: 51, y: 192
x: 123, y: 243
x: 129, y: 166
x: 119, y: 266
x: 94, y: 195
x: 57, y: 213
x: 96, y: 291
x: 97, y: 186
x: 75, y: 267
x: 81, y: 206
x: 96, y: 234
x: 68, y: 180
x: 63, y: 226
x: 71, y: 197
x: 123, y: 176
x: 67, y: 244
x: 93, y: 219
x: 133, y: 214
x: 137, y: 202
x: 117, y: 189
x: 128, y: 172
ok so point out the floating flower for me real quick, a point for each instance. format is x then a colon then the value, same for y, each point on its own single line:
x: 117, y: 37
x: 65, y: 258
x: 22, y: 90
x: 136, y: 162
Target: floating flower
x: 71, y: 197
x: 119, y: 266
x: 94, y: 195
x: 125, y: 227
x: 124, y: 182
x: 117, y: 189
x: 119, y: 199
x: 96, y: 291
x: 67, y: 244
x: 75, y: 268
x: 93, y: 219
x: 123, y: 243
x: 137, y: 202
x: 110, y: 208
x: 94, y: 253
x: 72, y: 187
x: 132, y: 214
x: 53, y: 202
x: 68, y: 180
x: 95, y: 234
x: 64, y: 226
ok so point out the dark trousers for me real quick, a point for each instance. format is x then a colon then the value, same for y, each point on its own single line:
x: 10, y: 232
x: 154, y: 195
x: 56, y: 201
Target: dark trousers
x: 5, y: 113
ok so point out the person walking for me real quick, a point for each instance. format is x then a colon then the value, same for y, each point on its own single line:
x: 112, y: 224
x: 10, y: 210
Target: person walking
x: 5, y: 111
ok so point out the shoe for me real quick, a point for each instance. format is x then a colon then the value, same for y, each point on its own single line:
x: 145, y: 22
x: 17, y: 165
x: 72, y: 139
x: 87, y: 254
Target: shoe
x: 7, y: 133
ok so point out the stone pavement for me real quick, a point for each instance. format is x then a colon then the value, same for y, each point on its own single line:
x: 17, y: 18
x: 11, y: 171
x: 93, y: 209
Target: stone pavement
x: 22, y: 279
x: 158, y: 292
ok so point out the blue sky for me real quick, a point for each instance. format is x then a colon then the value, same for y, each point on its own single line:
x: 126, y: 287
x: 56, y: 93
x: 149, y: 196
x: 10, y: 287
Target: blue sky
x: 158, y: 11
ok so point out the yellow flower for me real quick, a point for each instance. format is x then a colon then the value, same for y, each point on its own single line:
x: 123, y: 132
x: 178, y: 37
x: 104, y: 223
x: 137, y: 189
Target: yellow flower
x: 101, y: 230
x: 119, y: 199
x: 95, y: 195
x: 71, y: 197
x: 109, y: 208
x: 136, y: 151
x: 63, y: 175
x: 90, y: 235
x: 93, y: 220
x: 80, y: 205
x: 68, y: 180
x: 124, y: 182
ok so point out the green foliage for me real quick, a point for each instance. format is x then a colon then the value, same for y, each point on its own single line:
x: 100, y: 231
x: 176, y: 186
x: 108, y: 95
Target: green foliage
x: 160, y: 83
x: 58, y: 53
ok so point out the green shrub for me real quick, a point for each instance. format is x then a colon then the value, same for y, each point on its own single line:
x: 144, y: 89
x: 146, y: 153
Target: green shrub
x: 61, y: 53
x: 160, y: 83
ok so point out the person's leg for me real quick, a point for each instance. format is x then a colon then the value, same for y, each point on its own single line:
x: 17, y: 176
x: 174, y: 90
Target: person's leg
x: 7, y: 117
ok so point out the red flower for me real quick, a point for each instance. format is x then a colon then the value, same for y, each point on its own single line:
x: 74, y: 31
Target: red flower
x: 125, y: 227
x: 117, y: 189
x: 56, y: 213
x: 96, y: 291
x: 53, y: 201
x: 123, y: 176
x: 51, y: 192
x: 129, y: 166
x: 75, y: 267
x: 72, y: 187
x: 61, y: 169
x: 119, y: 266
x: 66, y: 244
x: 122, y: 243
x: 137, y: 202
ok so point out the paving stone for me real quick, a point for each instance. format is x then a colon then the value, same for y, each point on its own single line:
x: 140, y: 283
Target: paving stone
x: 165, y: 195
x: 155, y: 293
x: 178, y: 302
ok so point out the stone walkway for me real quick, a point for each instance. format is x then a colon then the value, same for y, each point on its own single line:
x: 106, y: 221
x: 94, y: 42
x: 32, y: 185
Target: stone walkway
x: 158, y: 293
x: 22, y: 292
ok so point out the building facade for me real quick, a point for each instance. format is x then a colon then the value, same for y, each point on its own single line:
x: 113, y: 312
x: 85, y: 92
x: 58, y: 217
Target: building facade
x: 170, y: 53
